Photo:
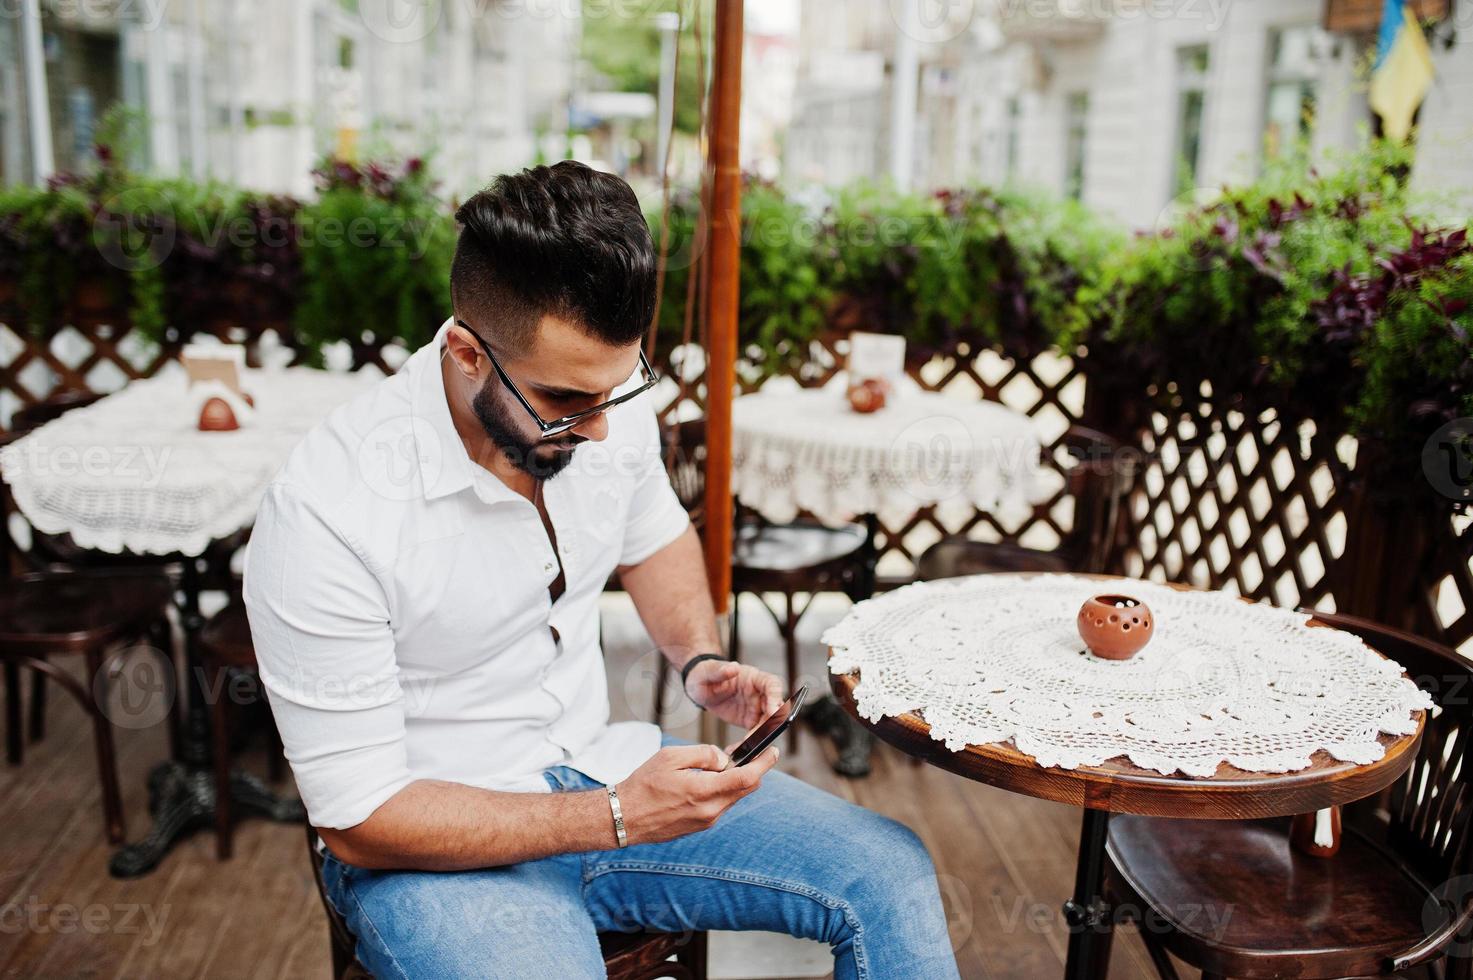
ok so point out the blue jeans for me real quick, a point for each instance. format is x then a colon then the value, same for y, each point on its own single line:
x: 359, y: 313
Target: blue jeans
x: 786, y: 858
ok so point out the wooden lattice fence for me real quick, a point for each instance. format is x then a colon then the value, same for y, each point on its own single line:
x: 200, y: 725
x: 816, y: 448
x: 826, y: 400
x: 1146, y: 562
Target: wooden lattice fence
x: 1240, y: 501
x: 1247, y: 501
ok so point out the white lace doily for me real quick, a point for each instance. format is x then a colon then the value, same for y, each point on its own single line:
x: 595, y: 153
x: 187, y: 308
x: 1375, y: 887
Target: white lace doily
x: 997, y: 658
x: 133, y: 472
x: 806, y: 449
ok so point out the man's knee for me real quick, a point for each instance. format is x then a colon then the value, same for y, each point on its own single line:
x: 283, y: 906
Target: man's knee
x: 892, y: 848
x: 898, y: 875
x: 877, y: 861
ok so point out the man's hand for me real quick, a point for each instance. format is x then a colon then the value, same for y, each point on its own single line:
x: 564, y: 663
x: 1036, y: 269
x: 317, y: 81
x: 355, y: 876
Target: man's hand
x: 685, y: 788
x: 734, y: 692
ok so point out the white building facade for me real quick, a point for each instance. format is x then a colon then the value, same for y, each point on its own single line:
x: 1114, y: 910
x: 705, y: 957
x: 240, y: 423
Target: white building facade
x: 257, y: 91
x: 1129, y: 105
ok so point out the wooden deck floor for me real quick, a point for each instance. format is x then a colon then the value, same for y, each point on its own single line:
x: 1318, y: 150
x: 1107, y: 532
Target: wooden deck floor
x: 1006, y: 862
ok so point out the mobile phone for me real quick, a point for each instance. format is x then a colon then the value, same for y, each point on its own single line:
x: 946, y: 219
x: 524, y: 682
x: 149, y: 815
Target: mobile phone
x: 769, y: 729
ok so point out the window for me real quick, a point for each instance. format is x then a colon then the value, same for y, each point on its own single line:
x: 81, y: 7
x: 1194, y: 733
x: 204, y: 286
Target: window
x: 1191, y: 73
x: 1293, y: 73
x: 1076, y: 119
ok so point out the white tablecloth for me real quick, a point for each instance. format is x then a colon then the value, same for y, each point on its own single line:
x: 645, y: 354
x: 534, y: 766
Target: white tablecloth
x: 998, y: 658
x: 134, y: 473
x: 806, y: 449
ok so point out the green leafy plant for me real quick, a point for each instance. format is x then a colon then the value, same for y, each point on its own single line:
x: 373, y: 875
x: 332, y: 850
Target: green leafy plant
x: 1324, y: 295
x: 165, y: 250
x: 54, y: 238
x: 784, y: 296
x: 1416, y: 343
x: 375, y: 251
x: 1224, y: 294
x: 973, y: 266
x: 237, y: 256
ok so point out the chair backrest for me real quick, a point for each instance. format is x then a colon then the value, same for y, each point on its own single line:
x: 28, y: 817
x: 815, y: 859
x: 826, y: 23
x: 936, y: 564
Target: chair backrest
x: 685, y: 459
x: 54, y: 407
x: 1431, y: 807
x: 343, y: 943
x: 1097, y: 475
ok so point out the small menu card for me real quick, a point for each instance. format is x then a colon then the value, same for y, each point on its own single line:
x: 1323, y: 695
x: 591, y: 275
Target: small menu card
x: 214, y: 362
x: 876, y: 355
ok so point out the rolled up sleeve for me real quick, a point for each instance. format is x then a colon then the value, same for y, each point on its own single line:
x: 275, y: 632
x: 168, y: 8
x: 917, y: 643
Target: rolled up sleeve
x: 321, y: 627
x: 656, y: 516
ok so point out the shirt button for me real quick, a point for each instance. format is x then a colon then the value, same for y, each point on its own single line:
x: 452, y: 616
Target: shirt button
x: 547, y: 567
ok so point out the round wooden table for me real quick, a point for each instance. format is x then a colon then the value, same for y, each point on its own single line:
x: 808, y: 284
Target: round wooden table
x: 1120, y: 787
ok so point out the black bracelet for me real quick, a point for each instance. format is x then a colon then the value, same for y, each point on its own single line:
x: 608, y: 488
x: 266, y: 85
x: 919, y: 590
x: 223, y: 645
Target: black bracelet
x: 690, y: 665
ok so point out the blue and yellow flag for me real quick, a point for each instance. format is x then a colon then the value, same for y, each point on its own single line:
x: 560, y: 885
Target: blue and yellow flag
x: 1403, y: 71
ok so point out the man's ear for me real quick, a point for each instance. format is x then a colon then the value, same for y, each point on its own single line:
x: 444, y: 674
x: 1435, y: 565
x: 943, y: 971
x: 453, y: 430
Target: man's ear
x: 463, y: 352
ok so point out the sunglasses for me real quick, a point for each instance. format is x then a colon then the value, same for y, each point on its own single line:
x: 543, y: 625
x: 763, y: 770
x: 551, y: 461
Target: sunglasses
x: 559, y: 426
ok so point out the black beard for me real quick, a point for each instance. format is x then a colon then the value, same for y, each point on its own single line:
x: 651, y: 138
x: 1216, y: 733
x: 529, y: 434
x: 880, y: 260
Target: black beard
x: 520, y: 451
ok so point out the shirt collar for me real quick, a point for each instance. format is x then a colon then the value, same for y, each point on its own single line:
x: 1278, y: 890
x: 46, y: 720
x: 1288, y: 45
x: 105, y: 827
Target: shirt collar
x: 444, y: 465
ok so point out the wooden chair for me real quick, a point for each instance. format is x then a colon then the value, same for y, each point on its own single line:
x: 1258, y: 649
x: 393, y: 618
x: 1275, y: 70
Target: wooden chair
x: 225, y: 648
x: 787, y: 559
x: 1096, y: 478
x: 56, y: 613
x: 45, y: 616
x: 54, y: 407
x: 627, y: 955
x: 1233, y: 899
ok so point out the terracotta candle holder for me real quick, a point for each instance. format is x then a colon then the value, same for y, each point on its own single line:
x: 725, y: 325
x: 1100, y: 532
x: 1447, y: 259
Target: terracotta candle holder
x: 1115, y: 627
x: 868, y: 395
x: 217, y: 416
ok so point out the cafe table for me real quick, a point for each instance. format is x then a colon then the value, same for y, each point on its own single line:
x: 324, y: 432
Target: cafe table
x: 1233, y: 710
x: 806, y: 451
x: 133, y: 474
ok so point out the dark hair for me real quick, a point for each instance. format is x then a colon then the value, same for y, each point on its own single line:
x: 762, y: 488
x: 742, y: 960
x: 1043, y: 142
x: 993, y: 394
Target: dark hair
x: 564, y: 240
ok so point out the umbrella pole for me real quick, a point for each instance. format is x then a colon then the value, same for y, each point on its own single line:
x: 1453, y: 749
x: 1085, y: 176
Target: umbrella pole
x: 723, y: 293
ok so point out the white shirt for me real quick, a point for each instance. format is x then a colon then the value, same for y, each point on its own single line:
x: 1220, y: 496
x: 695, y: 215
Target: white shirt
x: 398, y: 599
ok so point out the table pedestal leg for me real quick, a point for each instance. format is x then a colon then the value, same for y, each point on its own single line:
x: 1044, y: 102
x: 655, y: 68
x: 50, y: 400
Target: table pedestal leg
x: 181, y: 792
x: 855, y: 742
x: 181, y: 798
x: 870, y: 559
x: 1087, y: 913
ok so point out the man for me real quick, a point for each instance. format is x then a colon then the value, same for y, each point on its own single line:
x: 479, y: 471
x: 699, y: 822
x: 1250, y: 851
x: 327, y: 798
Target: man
x: 423, y: 586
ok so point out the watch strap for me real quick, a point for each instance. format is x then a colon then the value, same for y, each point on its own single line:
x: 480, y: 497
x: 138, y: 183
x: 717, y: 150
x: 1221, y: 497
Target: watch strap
x: 690, y: 665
